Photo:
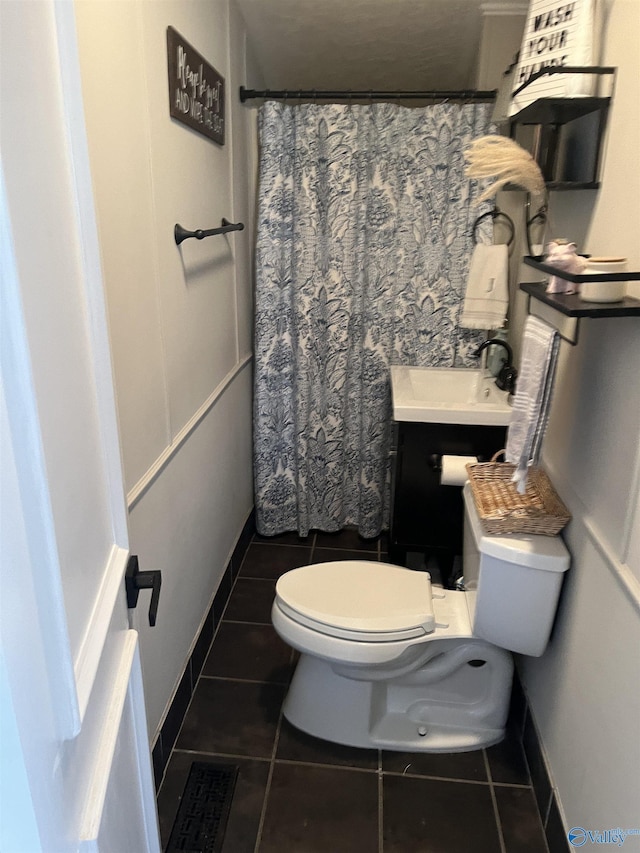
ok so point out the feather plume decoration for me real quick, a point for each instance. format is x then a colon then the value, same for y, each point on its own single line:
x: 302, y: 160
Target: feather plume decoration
x: 503, y: 159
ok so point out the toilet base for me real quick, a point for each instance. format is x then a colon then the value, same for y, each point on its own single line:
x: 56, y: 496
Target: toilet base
x: 461, y: 710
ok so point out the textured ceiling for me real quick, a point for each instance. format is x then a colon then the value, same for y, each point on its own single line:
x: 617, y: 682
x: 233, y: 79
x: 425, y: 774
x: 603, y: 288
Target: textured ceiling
x: 365, y: 44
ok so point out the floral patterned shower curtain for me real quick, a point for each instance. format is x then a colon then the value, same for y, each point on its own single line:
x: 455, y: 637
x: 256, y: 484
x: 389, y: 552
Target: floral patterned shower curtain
x: 364, y: 240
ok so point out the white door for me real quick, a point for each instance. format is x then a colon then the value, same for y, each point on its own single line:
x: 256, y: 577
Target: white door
x: 75, y: 769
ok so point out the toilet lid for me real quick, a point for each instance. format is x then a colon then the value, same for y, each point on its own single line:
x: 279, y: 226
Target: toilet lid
x: 360, y: 596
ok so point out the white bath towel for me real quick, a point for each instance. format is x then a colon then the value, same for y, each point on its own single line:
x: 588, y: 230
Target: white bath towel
x: 487, y: 294
x: 530, y: 414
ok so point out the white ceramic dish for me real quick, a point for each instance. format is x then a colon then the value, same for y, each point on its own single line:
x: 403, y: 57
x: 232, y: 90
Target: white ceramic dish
x: 604, y: 291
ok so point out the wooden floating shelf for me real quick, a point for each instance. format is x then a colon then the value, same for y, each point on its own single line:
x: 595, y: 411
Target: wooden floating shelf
x: 571, y: 305
x: 564, y: 311
x: 558, y: 186
x: 559, y: 110
x: 579, y: 277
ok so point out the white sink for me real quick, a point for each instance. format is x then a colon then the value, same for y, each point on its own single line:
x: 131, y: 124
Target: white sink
x: 448, y: 395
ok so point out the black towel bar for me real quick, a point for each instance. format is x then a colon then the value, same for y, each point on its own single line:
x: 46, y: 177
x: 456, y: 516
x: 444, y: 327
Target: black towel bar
x: 181, y: 233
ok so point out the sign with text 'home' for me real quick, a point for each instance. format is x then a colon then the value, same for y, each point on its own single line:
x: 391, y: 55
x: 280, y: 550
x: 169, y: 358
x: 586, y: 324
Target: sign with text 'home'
x: 196, y: 90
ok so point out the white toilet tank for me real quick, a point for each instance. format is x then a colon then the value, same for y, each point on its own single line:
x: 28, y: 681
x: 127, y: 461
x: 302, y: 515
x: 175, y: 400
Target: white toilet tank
x: 512, y: 584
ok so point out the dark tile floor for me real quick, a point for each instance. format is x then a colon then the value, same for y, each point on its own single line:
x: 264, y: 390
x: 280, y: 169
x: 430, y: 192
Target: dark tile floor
x: 298, y: 794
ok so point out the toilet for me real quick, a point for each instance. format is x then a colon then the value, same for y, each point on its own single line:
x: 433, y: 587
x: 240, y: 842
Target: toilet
x: 389, y: 661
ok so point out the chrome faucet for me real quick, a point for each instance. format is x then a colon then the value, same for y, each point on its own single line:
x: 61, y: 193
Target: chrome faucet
x: 506, y: 378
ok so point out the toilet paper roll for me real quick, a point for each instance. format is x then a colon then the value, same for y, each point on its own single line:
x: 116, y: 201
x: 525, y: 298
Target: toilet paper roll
x: 454, y: 470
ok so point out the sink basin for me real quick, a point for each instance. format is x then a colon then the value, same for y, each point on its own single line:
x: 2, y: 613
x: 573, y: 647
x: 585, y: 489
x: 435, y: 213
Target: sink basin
x: 448, y: 395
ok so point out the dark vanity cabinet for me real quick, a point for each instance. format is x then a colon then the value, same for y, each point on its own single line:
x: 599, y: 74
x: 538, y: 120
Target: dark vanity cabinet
x: 427, y: 517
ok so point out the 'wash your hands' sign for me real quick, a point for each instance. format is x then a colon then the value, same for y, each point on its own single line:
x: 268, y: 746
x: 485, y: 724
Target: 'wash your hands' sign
x: 556, y: 34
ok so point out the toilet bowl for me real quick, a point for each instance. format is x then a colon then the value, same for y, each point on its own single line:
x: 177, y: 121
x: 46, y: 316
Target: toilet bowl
x: 388, y: 661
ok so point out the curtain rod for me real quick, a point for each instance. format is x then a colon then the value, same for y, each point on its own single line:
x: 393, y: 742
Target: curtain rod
x: 369, y: 95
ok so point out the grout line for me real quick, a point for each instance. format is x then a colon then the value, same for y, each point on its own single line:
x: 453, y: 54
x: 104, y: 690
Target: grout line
x: 494, y: 800
x: 545, y: 818
x: 272, y: 763
x: 246, y: 577
x: 245, y: 680
x: 380, y: 804
x: 157, y: 784
x: 544, y: 822
x: 457, y: 781
x: 252, y: 578
x: 313, y: 547
x: 237, y: 574
x: 371, y: 551
x: 226, y: 604
x: 349, y: 768
x: 523, y: 716
x: 214, y: 754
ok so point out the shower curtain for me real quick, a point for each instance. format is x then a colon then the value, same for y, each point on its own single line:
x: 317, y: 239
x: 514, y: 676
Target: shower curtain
x: 364, y: 239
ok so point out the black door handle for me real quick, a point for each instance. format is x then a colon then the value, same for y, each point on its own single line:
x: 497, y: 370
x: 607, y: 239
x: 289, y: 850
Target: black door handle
x: 135, y: 580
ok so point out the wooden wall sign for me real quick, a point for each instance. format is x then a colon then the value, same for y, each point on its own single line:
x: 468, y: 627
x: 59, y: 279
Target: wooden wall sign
x: 196, y: 90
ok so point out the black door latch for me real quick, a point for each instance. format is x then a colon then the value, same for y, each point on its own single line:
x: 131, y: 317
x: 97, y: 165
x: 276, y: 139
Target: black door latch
x: 135, y: 580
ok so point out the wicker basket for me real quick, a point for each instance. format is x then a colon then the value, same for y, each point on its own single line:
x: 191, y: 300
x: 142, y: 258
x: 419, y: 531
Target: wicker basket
x: 502, y: 510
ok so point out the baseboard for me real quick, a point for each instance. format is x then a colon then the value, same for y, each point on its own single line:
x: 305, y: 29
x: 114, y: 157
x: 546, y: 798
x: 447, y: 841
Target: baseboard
x: 177, y: 709
x: 545, y: 793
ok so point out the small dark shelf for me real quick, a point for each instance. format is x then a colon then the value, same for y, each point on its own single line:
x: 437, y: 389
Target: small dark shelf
x: 559, y: 110
x: 571, y: 305
x: 567, y: 276
x: 558, y: 186
x: 572, y: 185
x: 564, y: 135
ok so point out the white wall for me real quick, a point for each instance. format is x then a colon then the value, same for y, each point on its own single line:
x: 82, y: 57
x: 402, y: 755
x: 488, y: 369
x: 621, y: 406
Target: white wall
x: 180, y: 318
x: 585, y: 691
x: 502, y: 27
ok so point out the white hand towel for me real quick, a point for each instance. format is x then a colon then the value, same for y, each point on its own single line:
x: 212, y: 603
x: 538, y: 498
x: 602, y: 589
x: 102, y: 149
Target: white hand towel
x: 530, y: 414
x: 487, y: 294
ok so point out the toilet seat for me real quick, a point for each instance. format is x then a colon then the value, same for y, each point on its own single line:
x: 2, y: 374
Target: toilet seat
x: 358, y: 600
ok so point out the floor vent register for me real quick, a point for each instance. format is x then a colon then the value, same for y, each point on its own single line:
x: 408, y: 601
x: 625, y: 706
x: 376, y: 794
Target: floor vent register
x: 204, y: 809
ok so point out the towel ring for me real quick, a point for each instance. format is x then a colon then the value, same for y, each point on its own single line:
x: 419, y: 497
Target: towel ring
x: 495, y: 214
x: 541, y: 217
